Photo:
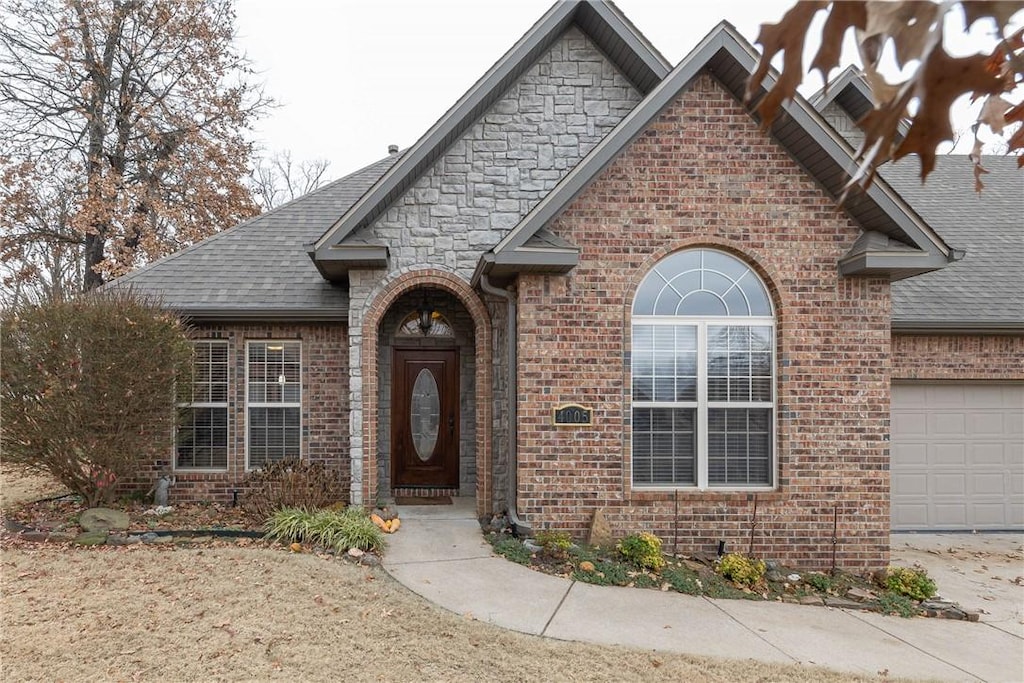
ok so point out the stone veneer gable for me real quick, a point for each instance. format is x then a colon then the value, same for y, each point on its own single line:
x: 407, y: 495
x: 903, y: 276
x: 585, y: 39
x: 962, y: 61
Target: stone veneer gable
x: 704, y: 174
x: 505, y: 163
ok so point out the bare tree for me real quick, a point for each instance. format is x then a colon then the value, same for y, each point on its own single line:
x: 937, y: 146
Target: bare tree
x: 277, y: 179
x: 123, y: 126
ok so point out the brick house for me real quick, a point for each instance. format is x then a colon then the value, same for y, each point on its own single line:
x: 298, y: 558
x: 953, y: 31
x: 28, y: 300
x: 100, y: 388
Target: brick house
x: 597, y: 283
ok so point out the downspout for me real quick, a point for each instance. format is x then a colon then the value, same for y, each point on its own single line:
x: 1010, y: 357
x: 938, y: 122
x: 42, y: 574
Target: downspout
x: 518, y: 526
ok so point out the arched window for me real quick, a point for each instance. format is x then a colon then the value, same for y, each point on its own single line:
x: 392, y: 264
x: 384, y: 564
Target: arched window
x: 703, y: 375
x: 413, y: 325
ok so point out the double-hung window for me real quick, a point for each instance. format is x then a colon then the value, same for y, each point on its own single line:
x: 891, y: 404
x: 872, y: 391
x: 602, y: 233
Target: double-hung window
x: 201, y: 437
x: 703, y: 375
x: 274, y: 401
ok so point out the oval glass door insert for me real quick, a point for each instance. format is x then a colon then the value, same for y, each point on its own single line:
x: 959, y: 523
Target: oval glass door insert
x: 425, y: 414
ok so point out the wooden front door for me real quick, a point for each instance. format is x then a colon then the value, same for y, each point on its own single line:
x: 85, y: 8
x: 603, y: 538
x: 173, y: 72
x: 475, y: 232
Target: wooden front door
x: 425, y: 418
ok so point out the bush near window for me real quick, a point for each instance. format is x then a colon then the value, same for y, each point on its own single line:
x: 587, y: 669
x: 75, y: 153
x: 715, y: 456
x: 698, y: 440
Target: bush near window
x: 643, y: 550
x: 741, y: 570
x: 290, y: 483
x: 86, y: 387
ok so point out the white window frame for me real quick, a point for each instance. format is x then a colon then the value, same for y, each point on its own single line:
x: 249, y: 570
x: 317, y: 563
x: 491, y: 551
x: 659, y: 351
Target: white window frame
x: 702, y: 404
x: 225, y: 404
x: 270, y: 404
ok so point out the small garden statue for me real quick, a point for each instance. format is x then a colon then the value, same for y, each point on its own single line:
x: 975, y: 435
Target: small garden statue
x: 161, y: 489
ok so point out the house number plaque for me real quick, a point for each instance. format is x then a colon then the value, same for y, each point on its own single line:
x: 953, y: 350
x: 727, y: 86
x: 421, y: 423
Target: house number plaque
x: 573, y: 414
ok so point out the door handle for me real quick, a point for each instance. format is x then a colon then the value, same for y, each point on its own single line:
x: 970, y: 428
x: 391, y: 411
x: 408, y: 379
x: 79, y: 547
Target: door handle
x: 451, y: 424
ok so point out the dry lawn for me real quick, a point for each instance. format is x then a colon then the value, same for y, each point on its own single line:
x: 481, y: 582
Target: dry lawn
x: 18, y: 486
x: 228, y: 613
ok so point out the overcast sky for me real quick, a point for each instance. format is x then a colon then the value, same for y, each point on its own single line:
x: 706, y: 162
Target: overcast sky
x: 353, y: 77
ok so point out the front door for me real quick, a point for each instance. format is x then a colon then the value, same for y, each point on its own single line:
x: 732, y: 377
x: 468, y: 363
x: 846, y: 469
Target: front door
x: 425, y: 418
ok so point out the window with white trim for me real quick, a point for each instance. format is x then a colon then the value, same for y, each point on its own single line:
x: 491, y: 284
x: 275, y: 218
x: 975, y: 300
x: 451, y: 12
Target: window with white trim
x: 703, y: 375
x: 274, y: 401
x: 201, y: 437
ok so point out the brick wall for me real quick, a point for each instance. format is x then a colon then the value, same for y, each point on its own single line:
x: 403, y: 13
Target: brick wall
x: 960, y: 357
x: 324, y: 408
x: 705, y: 175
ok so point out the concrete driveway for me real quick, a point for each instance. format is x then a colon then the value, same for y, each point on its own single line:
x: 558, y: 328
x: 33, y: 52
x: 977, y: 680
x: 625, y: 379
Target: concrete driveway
x: 979, y: 571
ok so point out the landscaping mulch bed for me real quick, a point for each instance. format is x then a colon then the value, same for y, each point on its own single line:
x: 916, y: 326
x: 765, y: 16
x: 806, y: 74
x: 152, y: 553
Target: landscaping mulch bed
x: 697, y: 576
x: 61, y: 515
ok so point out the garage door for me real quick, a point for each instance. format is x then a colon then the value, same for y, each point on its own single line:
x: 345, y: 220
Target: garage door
x: 957, y: 456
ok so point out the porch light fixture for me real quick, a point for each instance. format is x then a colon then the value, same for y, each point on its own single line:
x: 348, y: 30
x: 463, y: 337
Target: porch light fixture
x: 426, y: 320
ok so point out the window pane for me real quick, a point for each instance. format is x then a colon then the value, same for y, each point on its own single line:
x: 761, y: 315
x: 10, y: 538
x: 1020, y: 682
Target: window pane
x: 201, y: 439
x: 739, y: 446
x: 664, y: 446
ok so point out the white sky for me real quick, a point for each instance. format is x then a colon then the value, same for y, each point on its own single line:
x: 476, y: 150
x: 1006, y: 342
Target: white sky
x: 353, y: 77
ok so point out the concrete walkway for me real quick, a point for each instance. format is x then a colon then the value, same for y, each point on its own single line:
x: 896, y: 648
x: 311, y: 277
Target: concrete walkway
x: 441, y: 555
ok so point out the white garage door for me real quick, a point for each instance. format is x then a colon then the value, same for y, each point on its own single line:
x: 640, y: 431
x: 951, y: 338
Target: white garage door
x: 957, y: 456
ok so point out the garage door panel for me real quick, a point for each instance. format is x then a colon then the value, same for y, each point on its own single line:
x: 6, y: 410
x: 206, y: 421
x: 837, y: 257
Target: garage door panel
x: 989, y: 454
x: 911, y: 485
x: 910, y: 423
x: 949, y: 515
x: 988, y: 485
x: 990, y: 424
x: 948, y: 424
x: 944, y: 454
x: 957, y: 456
x: 911, y: 454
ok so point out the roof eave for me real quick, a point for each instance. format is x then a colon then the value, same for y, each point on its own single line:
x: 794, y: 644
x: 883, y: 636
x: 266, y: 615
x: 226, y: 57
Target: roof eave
x: 958, y: 327
x: 228, y: 314
x: 897, y: 265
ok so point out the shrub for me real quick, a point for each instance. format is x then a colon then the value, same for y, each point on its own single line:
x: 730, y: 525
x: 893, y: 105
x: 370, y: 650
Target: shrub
x: 513, y: 549
x: 684, y: 580
x: 290, y: 483
x: 554, y: 543
x: 819, y: 582
x: 643, y: 550
x: 892, y: 603
x: 913, y: 583
x: 86, y: 387
x: 741, y: 570
x: 332, y: 529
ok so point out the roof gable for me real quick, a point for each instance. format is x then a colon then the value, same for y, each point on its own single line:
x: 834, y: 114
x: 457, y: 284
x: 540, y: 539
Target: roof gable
x: 601, y: 21
x: 826, y: 156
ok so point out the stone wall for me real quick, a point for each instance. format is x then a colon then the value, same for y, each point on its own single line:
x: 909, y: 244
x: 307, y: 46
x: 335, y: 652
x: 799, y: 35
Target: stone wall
x: 704, y: 174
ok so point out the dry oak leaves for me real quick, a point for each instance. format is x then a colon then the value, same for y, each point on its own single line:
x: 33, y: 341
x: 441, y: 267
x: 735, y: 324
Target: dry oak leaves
x: 915, y: 29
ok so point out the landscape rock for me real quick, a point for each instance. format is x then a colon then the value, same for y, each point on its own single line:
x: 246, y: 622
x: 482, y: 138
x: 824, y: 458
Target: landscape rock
x: 369, y: 560
x: 118, y: 539
x: 860, y: 594
x: 149, y: 537
x: 600, y: 531
x: 60, y: 537
x: 843, y: 603
x: 103, y: 519
x: 811, y: 600
x: 162, y: 540
x: 91, y: 538
x: 355, y: 552
x: 587, y: 566
x: 35, y: 536
x: 531, y: 546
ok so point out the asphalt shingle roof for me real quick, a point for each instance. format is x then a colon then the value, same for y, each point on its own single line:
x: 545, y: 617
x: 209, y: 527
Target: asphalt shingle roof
x: 986, y: 287
x: 261, y: 264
